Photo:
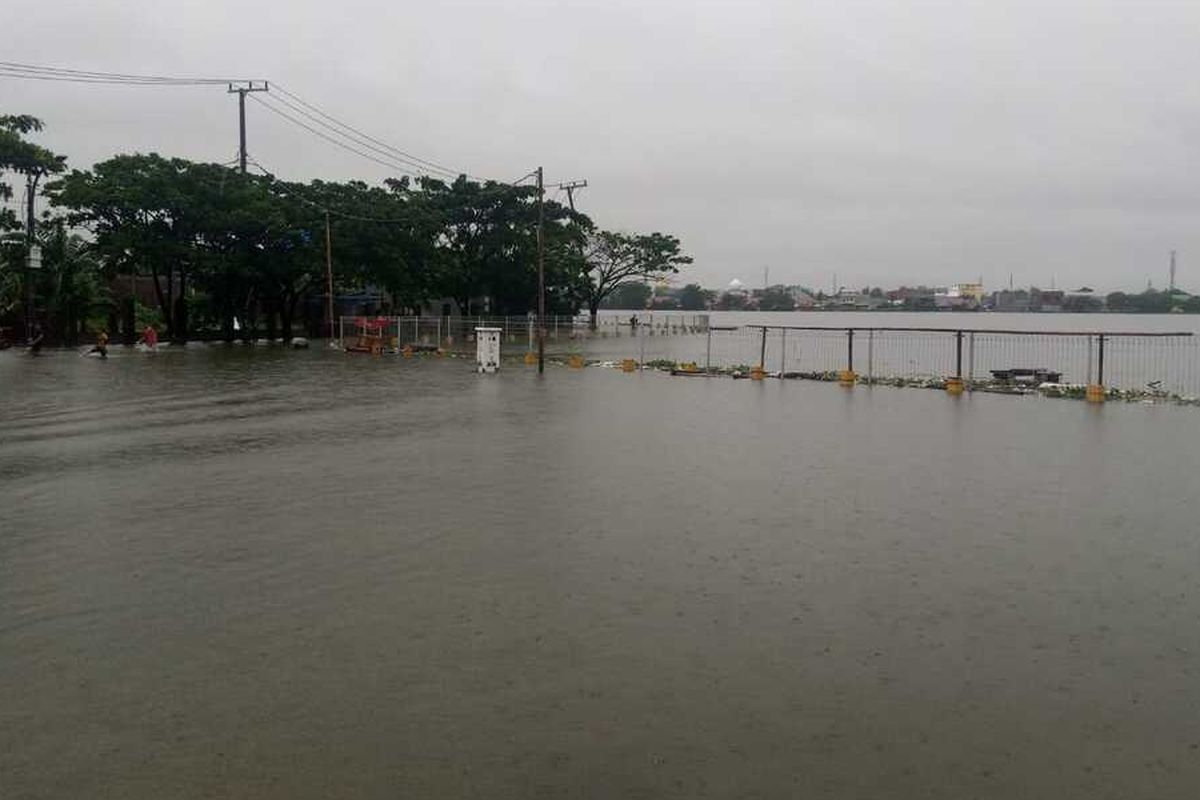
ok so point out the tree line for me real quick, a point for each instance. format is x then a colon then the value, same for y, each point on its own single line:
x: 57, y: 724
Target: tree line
x: 219, y: 245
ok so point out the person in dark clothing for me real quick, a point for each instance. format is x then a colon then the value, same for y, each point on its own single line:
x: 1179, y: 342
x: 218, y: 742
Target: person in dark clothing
x: 35, y: 341
x: 101, y: 345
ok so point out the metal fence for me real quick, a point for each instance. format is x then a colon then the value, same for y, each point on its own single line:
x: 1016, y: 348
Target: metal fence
x: 562, y: 332
x: 1149, y: 364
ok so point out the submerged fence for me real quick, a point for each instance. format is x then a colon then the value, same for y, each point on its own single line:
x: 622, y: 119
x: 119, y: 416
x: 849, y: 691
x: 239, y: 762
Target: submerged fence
x: 563, y: 331
x: 1163, y: 363
x: 1150, y: 363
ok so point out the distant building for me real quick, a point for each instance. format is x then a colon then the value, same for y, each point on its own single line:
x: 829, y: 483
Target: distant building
x: 971, y: 290
x: 960, y: 296
x: 917, y: 299
x: 1049, y: 300
x: 851, y: 300
x: 801, y: 298
x: 1010, y: 300
x: 1083, y: 299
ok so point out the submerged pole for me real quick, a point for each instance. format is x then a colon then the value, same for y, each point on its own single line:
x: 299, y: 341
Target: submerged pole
x: 847, y: 376
x: 1095, y: 391
x: 782, y: 351
x: 954, y: 385
x: 708, y: 354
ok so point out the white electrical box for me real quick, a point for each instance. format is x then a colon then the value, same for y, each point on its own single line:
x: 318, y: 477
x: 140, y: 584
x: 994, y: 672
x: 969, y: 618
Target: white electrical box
x: 487, y: 349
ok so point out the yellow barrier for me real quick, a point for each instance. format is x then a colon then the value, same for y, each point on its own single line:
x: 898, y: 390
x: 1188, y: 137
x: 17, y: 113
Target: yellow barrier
x: 530, y: 358
x: 1095, y: 393
x: 576, y: 362
x: 629, y: 365
x: 954, y: 386
x: 847, y: 377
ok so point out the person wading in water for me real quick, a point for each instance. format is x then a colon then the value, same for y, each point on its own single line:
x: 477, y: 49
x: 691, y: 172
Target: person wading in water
x: 101, y: 345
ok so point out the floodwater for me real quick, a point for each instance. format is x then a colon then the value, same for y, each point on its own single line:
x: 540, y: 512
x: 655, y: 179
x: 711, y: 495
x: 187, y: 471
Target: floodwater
x: 275, y: 574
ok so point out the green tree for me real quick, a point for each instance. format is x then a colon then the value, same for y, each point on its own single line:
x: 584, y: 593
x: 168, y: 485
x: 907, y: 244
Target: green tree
x: 70, y: 285
x: 611, y: 260
x: 776, y: 298
x: 634, y: 296
x: 487, y: 245
x: 731, y: 301
x: 149, y: 215
x: 32, y: 162
x: 24, y: 158
x: 693, y: 297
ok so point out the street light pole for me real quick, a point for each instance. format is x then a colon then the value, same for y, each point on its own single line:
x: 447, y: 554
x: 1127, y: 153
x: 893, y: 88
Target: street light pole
x: 541, y: 265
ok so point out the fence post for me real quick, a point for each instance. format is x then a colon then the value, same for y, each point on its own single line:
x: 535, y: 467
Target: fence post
x: 971, y: 360
x: 708, y: 354
x: 782, y: 351
x: 870, y: 357
x: 1088, y: 379
x: 847, y: 376
x: 757, y: 373
x: 954, y: 385
x: 641, y: 345
x: 1095, y: 391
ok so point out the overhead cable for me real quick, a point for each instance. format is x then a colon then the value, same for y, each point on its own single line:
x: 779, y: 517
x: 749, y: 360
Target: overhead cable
x: 13, y: 69
x: 403, y: 170
x: 395, y: 151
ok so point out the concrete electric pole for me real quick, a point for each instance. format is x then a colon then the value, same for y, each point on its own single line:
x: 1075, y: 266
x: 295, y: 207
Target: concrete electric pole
x: 541, y: 276
x: 241, y: 88
x: 571, y: 186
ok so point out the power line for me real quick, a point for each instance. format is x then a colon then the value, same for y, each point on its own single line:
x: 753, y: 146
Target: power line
x: 395, y: 150
x: 360, y: 142
x: 13, y: 69
x: 330, y: 139
x: 339, y: 132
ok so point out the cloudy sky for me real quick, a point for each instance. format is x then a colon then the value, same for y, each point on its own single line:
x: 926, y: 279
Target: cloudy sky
x: 882, y: 142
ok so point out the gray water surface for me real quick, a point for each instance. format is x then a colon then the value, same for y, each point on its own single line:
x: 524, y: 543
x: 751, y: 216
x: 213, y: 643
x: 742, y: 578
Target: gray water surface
x: 273, y: 574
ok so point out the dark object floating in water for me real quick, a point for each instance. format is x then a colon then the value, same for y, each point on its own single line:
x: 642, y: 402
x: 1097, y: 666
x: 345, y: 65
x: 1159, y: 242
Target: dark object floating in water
x: 1019, y: 375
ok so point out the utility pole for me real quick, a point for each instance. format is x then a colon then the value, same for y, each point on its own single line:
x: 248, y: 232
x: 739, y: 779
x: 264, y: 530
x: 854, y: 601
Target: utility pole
x: 328, y: 277
x: 241, y: 88
x: 541, y: 264
x: 1172, y: 282
x: 571, y: 186
x: 33, y: 258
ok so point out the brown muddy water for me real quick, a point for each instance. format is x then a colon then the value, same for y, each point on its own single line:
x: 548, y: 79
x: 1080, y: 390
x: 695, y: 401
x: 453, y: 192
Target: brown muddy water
x: 273, y: 574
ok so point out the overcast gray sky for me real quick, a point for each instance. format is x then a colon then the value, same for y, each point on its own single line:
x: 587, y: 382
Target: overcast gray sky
x: 887, y: 142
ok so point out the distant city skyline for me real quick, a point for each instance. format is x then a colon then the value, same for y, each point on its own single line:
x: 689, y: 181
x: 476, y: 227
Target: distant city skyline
x: 1050, y: 283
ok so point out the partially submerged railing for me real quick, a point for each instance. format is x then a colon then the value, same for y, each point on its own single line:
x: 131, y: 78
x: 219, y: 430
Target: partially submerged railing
x: 1130, y: 364
x: 1148, y: 361
x: 458, y: 332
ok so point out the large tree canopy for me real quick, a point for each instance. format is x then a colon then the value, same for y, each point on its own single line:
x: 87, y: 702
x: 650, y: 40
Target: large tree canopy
x: 217, y: 246
x: 31, y: 162
x: 611, y: 260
